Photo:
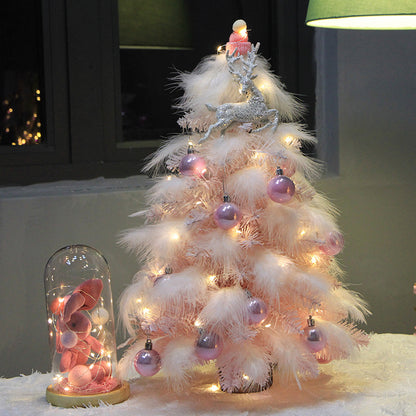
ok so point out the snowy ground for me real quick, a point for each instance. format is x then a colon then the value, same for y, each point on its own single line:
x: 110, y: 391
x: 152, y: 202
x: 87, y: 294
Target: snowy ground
x: 379, y: 380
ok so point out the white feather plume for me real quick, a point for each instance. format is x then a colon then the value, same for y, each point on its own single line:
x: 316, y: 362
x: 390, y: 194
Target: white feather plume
x: 290, y: 353
x: 167, y: 238
x: 219, y: 248
x: 242, y: 366
x: 270, y: 274
x: 185, y: 288
x: 226, y: 312
x: 347, y: 302
x: 177, y: 360
x: 247, y: 187
x: 129, y: 303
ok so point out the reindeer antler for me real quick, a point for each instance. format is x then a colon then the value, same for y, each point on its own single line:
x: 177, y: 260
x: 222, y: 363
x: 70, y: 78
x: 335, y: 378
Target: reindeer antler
x: 250, y: 63
x: 231, y: 59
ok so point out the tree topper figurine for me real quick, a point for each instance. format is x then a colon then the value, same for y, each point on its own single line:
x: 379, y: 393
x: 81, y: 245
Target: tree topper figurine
x: 254, y: 110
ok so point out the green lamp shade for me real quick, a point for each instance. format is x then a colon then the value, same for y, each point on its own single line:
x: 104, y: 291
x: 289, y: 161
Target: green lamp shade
x: 362, y: 14
x: 154, y: 24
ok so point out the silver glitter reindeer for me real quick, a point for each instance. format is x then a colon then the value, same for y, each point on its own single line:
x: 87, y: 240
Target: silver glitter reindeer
x: 254, y: 110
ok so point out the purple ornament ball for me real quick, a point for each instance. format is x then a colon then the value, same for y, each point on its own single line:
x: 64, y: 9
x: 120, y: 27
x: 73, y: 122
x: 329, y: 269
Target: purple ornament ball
x: 257, y: 311
x: 208, y: 346
x: 281, y: 189
x: 227, y: 215
x: 314, y: 338
x: 69, y: 339
x: 334, y: 244
x: 192, y: 165
x: 147, y: 362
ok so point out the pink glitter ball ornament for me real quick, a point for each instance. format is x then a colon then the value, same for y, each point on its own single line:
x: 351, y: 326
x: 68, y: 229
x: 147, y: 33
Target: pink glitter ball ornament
x: 208, y: 346
x: 280, y: 188
x: 313, y: 337
x: 147, y: 361
x: 334, y: 243
x: 227, y: 215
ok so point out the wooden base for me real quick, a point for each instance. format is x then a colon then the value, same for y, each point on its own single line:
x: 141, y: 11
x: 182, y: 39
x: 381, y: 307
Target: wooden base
x: 73, y: 400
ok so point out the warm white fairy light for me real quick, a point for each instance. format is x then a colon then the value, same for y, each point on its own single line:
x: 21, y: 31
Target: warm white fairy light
x: 49, y: 321
x: 139, y: 300
x: 268, y: 325
x: 314, y: 260
x: 169, y: 177
x: 174, y: 236
x: 289, y: 140
x: 197, y: 323
x: 246, y: 377
x: 146, y: 311
x: 302, y: 233
x: 212, y: 278
x: 214, y: 388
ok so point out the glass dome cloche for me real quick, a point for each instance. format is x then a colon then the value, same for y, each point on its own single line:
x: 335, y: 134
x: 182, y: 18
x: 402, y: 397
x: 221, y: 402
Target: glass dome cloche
x: 81, y: 329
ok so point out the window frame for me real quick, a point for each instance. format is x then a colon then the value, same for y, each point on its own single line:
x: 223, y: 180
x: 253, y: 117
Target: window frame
x: 83, y: 97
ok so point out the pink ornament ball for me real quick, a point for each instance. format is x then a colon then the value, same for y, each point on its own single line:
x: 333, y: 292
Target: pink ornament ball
x: 192, y: 165
x: 100, y: 371
x: 257, y: 311
x: 334, y: 244
x: 208, y: 346
x: 288, y: 168
x: 281, y: 189
x: 227, y: 215
x: 69, y: 339
x: 314, y: 338
x: 147, y: 362
x: 80, y: 376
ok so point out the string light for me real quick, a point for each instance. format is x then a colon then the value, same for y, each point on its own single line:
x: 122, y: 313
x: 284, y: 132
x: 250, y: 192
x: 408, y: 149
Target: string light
x: 197, y: 323
x: 214, y: 388
x: 268, y: 325
x: 246, y: 377
x: 314, y: 260
x: 289, y: 140
x: 174, y: 236
x: 212, y: 278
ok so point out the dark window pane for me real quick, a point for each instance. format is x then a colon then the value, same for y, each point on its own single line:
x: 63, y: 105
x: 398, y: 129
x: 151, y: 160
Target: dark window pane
x: 21, y: 69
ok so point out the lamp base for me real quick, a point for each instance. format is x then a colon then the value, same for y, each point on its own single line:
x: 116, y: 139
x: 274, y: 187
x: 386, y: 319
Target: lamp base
x: 115, y: 396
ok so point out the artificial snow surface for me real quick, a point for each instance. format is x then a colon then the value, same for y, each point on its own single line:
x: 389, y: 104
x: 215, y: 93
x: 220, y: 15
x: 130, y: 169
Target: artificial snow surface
x: 379, y: 380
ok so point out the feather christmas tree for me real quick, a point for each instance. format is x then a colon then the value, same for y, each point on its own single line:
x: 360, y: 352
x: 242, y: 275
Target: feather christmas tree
x: 238, y: 247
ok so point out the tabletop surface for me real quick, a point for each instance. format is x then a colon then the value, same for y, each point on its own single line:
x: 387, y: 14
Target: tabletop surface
x: 378, y: 380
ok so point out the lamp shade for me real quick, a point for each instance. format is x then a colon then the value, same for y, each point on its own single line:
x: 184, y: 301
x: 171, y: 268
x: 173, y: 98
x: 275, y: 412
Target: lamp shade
x: 362, y: 14
x: 154, y: 24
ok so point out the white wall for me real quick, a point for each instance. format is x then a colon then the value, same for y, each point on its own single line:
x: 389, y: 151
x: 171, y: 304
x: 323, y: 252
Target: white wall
x: 375, y: 190
x: 375, y: 193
